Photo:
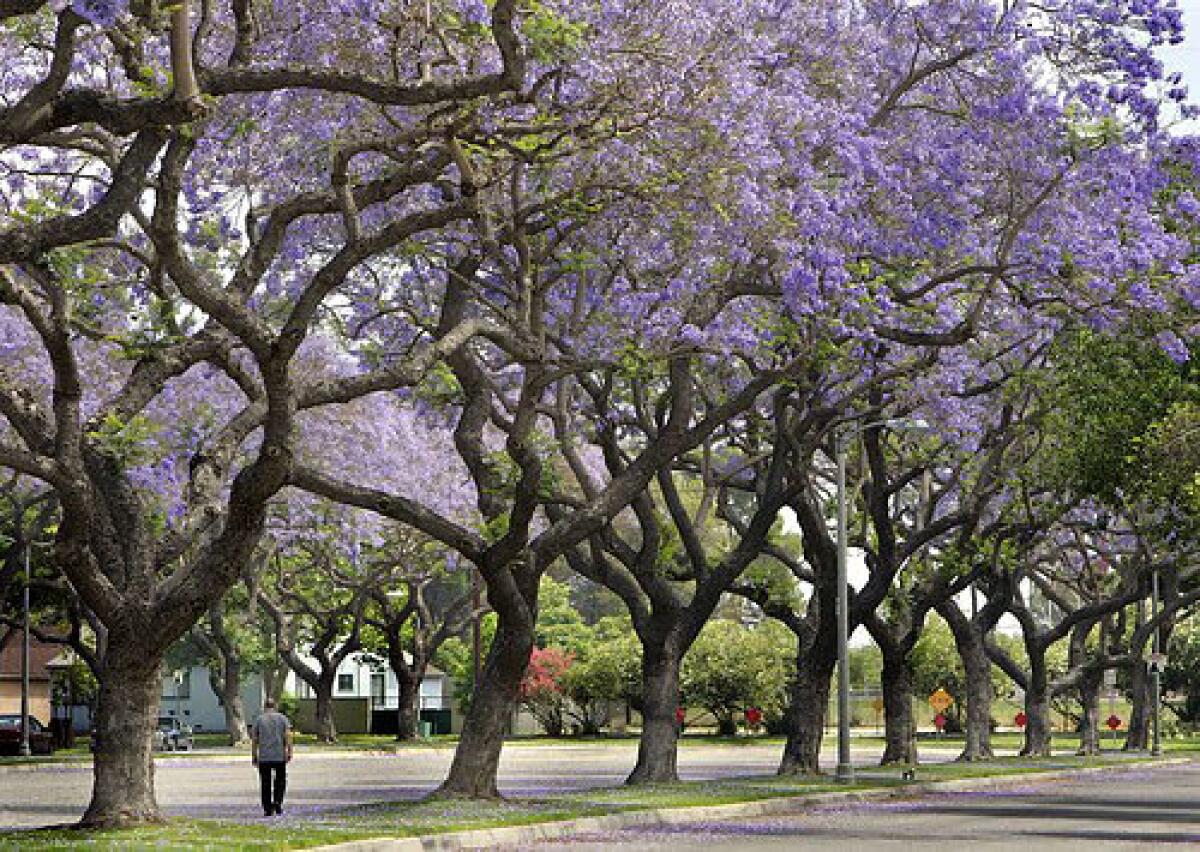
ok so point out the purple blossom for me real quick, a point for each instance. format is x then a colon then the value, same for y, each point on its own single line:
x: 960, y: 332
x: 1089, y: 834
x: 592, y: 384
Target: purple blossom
x: 102, y: 13
x: 1173, y: 346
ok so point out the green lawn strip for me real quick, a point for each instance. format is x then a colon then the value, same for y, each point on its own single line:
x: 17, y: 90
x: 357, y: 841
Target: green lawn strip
x: 175, y: 834
x: 57, y: 757
x: 406, y: 819
x: 392, y: 820
x: 1004, y: 766
x: 375, y: 742
x: 85, y: 757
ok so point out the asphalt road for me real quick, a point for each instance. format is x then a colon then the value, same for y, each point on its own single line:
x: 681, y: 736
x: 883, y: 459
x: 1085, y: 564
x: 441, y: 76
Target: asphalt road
x: 1127, y: 809
x: 226, y: 785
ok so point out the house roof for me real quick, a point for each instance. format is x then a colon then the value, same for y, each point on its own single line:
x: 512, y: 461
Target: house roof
x: 41, y: 656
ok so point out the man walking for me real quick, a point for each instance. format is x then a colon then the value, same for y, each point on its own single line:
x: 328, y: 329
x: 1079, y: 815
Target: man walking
x: 271, y: 751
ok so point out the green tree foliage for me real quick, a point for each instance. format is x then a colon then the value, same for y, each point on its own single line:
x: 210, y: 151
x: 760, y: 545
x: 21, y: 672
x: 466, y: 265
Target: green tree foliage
x: 609, y: 670
x: 730, y: 668
x: 560, y: 624
x: 1181, y: 681
x: 1171, y: 448
x: 937, y: 665
x: 866, y: 665
x: 455, y: 658
x: 1112, y: 400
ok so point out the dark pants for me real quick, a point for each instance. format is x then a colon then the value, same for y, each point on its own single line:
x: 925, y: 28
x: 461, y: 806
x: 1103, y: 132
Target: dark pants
x: 272, y: 794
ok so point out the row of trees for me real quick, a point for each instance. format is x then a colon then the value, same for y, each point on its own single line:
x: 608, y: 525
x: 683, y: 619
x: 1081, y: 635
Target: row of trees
x: 607, y: 287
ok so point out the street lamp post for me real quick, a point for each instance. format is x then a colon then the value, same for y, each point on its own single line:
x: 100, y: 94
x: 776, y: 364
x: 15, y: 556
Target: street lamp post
x: 1156, y: 669
x: 845, y: 770
x: 25, y: 750
x: 841, y: 442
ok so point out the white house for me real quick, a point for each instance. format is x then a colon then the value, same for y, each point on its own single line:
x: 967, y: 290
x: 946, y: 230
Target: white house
x: 188, y: 694
x: 366, y: 677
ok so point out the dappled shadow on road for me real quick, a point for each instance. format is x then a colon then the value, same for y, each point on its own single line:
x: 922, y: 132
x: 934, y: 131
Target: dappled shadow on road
x: 1065, y: 807
x: 1116, y: 836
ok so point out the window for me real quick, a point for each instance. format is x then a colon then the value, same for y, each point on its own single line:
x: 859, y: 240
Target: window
x: 345, y: 683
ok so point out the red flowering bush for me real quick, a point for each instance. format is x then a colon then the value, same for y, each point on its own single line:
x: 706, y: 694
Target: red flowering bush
x: 543, y: 692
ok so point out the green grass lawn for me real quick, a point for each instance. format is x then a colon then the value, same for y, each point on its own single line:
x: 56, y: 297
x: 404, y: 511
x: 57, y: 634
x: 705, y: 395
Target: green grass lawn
x: 435, y: 816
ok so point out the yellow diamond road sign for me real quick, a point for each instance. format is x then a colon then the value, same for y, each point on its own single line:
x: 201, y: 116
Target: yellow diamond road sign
x: 941, y: 700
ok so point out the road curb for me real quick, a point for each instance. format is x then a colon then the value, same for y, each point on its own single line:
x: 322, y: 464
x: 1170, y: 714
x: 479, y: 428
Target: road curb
x: 525, y: 834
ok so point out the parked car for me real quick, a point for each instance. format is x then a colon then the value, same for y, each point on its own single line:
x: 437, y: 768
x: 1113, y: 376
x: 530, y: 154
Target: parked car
x: 173, y: 735
x: 41, y: 741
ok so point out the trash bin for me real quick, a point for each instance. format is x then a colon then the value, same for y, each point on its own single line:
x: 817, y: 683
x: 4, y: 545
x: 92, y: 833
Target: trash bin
x: 425, y: 729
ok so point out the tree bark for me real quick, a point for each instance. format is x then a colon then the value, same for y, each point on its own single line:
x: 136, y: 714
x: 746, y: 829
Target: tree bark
x: 410, y: 694
x: 126, y: 716
x: 804, y: 717
x: 1089, y: 717
x: 326, y: 726
x: 226, y: 682
x: 274, y: 677
x: 1037, y: 707
x: 235, y: 707
x: 225, y: 672
x: 1141, y: 699
x: 473, y: 771
x: 977, y: 666
x: 900, y: 730
x: 978, y: 673
x: 658, y: 748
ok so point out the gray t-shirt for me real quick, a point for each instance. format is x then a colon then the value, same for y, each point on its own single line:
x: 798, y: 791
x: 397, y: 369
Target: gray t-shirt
x: 270, y: 732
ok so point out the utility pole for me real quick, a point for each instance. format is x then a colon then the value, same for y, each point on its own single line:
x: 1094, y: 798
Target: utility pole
x: 1156, y: 667
x: 845, y: 769
x: 25, y: 750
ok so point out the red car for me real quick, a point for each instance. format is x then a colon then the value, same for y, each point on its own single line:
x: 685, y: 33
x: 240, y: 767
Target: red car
x: 41, y: 741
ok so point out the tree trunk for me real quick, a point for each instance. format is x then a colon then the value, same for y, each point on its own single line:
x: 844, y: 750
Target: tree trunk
x: 274, y: 677
x: 804, y: 718
x: 977, y: 668
x: 900, y: 730
x: 473, y: 772
x: 1089, y: 717
x: 658, y: 748
x: 235, y: 719
x: 410, y: 695
x: 230, y: 690
x: 1037, y: 708
x: 225, y: 673
x: 126, y: 715
x: 1141, y: 699
x: 326, y: 727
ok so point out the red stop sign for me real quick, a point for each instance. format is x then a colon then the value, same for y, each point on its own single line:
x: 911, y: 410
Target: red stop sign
x: 940, y: 721
x: 1021, y: 719
x: 680, y: 715
x: 1113, y: 722
x: 753, y: 716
